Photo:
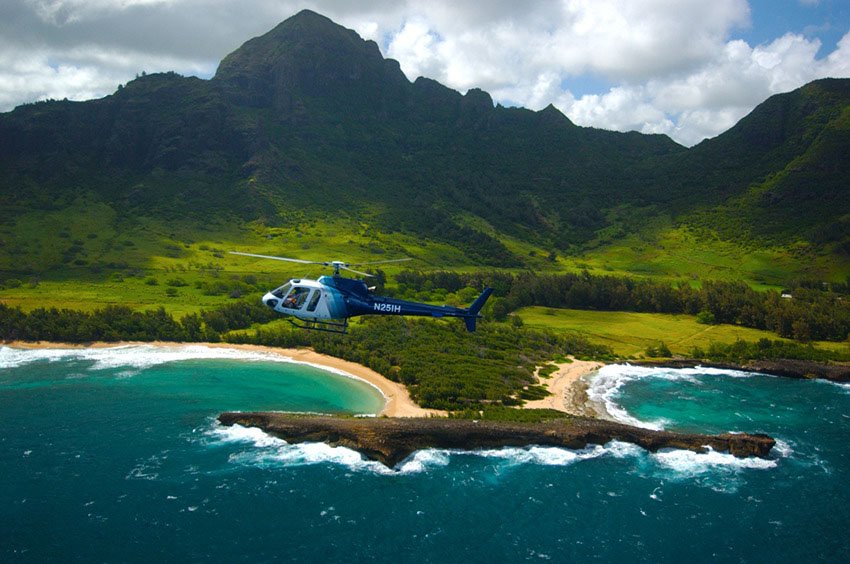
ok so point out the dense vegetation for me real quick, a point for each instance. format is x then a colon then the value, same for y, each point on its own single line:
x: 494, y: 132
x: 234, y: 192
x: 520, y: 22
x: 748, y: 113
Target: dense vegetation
x: 809, y: 314
x: 121, y: 323
x: 765, y: 349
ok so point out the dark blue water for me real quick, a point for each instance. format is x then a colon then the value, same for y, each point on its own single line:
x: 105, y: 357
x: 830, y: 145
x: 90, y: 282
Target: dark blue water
x: 115, y: 455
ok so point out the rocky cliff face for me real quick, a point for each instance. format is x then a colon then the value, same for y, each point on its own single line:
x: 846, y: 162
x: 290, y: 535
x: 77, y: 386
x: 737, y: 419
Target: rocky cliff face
x: 391, y: 440
x: 310, y: 58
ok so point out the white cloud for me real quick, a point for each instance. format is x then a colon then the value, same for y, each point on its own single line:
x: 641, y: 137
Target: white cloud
x: 714, y: 96
x: 82, y: 73
x: 414, y: 46
x: 34, y: 77
x: 61, y: 12
x: 620, y: 39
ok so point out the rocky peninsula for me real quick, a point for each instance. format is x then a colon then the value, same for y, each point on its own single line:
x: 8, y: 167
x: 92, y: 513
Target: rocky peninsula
x: 391, y: 440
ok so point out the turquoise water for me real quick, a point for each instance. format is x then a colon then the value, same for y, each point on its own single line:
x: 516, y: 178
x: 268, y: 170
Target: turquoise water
x: 114, y: 455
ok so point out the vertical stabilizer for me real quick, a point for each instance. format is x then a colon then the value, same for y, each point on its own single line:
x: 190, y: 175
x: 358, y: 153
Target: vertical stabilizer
x: 473, y: 311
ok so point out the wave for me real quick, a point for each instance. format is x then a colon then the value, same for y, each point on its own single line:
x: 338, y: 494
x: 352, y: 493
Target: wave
x: 689, y: 463
x: 781, y: 449
x: 606, y: 384
x: 265, y: 451
x: 843, y: 385
x: 141, y: 357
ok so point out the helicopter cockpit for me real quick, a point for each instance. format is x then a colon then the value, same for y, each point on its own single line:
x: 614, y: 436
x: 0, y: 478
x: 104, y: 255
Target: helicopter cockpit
x: 295, y: 296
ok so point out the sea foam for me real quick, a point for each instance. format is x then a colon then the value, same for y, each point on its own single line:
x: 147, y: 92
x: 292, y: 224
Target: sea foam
x: 266, y: 451
x: 688, y: 463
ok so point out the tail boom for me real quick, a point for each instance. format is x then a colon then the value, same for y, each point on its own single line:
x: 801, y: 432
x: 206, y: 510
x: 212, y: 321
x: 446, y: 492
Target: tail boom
x: 392, y: 306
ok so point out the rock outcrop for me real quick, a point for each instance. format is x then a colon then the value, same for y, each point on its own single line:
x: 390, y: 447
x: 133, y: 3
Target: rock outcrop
x: 391, y: 440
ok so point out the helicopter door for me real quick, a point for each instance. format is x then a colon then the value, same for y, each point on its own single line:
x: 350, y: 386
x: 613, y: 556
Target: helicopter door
x: 314, y: 301
x: 296, y: 298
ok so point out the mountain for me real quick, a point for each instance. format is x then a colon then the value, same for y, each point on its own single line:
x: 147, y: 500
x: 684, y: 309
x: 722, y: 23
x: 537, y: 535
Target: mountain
x: 309, y: 120
x: 781, y: 172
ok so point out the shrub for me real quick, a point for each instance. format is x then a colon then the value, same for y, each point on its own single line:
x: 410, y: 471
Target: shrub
x: 658, y: 351
x: 706, y: 317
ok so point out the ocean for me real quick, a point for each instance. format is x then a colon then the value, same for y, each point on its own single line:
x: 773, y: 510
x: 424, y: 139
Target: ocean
x: 114, y: 454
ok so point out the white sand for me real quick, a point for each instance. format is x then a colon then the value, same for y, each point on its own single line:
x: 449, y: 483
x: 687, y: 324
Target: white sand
x: 568, y: 388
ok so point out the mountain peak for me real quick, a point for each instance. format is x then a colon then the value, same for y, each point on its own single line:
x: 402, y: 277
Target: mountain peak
x: 308, y: 56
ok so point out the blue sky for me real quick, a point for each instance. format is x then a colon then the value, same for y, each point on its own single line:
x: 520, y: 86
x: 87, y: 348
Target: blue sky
x: 826, y: 19
x: 689, y: 69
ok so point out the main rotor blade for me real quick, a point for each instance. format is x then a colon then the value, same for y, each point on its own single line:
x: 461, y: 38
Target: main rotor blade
x: 378, y: 262
x: 356, y: 271
x: 275, y: 258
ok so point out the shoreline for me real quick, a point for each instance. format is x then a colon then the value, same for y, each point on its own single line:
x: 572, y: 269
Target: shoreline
x: 568, y: 389
x: 397, y: 401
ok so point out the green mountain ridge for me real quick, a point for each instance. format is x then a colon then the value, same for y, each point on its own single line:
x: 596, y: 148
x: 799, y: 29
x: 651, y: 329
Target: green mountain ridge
x: 310, y: 123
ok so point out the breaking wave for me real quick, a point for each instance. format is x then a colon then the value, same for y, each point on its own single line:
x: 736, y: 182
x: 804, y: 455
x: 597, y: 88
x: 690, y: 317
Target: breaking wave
x: 689, y: 463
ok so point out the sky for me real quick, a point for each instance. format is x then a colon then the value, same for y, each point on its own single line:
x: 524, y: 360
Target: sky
x: 686, y: 68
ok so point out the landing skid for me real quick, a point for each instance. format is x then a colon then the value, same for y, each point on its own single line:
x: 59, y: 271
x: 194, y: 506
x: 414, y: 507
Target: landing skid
x: 320, y: 325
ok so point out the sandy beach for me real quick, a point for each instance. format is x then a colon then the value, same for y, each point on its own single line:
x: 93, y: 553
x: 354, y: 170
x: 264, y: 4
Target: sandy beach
x: 568, y: 388
x: 397, y: 398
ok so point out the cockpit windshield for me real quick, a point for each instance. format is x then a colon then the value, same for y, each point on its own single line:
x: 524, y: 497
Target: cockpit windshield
x: 282, y: 291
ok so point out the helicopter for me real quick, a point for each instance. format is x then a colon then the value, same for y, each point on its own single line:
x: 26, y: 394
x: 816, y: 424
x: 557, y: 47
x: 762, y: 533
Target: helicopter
x: 327, y: 304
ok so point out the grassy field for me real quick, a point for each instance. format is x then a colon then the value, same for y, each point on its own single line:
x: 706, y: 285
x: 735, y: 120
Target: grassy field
x: 629, y: 334
x: 678, y: 253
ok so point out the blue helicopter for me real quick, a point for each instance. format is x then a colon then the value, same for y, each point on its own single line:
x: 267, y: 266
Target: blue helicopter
x: 326, y: 304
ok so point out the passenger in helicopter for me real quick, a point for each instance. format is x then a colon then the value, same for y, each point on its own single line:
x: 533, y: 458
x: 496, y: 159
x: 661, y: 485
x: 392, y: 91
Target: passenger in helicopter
x: 296, y: 298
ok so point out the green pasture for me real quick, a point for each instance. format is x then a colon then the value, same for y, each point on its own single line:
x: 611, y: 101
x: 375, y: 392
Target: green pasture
x: 629, y: 334
x: 678, y: 253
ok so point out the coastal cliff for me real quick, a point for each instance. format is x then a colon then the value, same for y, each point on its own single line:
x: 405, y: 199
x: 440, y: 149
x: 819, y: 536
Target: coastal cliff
x: 391, y: 440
